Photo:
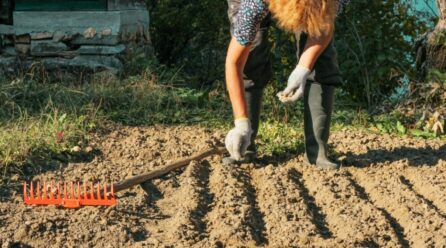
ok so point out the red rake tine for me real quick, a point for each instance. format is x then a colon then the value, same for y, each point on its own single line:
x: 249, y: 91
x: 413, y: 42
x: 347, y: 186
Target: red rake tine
x: 78, y: 191
x: 105, y: 191
x: 98, y: 187
x: 72, y: 191
x: 91, y: 191
x: 31, y: 191
x: 51, y: 190
x: 24, y: 192
x: 26, y: 196
x: 44, y: 196
x: 65, y: 190
x: 38, y: 195
x: 58, y: 190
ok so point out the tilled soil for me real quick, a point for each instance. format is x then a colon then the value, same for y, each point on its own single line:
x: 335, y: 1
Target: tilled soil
x: 390, y: 192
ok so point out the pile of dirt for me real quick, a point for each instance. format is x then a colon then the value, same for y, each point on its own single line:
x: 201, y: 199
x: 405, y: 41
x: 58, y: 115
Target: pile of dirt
x: 390, y: 192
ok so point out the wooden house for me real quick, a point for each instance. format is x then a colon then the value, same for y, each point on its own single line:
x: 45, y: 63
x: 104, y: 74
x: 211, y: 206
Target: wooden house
x: 96, y: 34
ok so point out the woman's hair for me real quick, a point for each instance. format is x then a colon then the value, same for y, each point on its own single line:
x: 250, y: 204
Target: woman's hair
x: 314, y: 17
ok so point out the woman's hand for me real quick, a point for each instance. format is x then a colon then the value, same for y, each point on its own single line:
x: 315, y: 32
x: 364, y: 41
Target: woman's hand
x: 295, y: 86
x: 314, y: 47
x: 239, y: 138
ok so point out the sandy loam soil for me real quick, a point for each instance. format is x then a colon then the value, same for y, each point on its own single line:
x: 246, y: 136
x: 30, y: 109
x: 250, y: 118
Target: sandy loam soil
x: 390, y: 192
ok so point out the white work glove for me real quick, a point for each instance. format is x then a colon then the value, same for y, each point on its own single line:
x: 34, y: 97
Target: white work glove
x: 239, y: 138
x: 295, y: 86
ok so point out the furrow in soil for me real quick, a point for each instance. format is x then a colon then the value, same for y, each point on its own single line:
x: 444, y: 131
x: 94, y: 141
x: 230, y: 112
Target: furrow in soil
x: 235, y: 219
x: 429, y: 184
x: 421, y: 224
x: 352, y: 219
x: 185, y: 207
x: 288, y: 221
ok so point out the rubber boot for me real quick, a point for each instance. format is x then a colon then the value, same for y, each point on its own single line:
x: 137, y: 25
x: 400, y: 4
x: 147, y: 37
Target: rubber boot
x: 318, y: 107
x: 253, y: 98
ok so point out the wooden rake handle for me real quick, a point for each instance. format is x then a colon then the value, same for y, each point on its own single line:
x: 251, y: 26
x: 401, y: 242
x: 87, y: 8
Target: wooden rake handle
x: 136, y: 180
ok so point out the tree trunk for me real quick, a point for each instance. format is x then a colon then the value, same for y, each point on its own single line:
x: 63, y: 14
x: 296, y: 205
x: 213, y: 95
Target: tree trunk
x: 436, y: 41
x: 441, y: 25
x: 441, y: 4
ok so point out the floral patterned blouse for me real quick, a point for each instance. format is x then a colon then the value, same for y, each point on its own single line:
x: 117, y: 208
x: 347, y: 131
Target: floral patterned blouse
x: 250, y: 16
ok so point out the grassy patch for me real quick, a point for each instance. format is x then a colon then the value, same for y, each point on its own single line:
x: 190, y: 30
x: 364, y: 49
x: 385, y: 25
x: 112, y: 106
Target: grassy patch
x: 30, y: 139
x: 44, y: 121
x: 40, y: 121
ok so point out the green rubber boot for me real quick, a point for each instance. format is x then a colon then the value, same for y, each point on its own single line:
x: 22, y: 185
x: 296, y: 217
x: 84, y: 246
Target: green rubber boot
x: 318, y: 107
x: 253, y: 99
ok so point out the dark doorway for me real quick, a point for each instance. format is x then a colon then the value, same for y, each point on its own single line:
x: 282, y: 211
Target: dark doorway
x: 6, y: 8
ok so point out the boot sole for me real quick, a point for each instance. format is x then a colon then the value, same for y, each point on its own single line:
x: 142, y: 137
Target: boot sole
x: 307, y: 163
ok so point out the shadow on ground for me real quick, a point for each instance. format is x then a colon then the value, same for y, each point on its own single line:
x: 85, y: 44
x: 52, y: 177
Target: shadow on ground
x: 414, y: 156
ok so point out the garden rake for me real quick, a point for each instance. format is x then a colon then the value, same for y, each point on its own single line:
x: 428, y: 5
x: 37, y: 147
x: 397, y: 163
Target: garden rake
x: 75, y: 195
x: 68, y: 196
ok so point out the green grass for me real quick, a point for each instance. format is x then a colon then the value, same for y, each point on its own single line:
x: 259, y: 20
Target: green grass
x: 41, y: 121
x: 44, y: 121
x: 31, y: 139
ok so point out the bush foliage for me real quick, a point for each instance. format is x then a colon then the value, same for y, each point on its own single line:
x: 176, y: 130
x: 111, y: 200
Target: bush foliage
x: 192, y: 35
x: 374, y: 39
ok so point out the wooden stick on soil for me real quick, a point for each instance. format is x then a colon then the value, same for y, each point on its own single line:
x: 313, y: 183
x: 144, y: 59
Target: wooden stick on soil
x: 136, y: 180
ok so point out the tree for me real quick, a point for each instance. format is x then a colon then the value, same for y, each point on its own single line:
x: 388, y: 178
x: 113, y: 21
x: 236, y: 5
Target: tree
x: 441, y: 4
x: 436, y: 41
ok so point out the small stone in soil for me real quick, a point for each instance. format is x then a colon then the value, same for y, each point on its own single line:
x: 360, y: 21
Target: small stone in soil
x: 76, y: 149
